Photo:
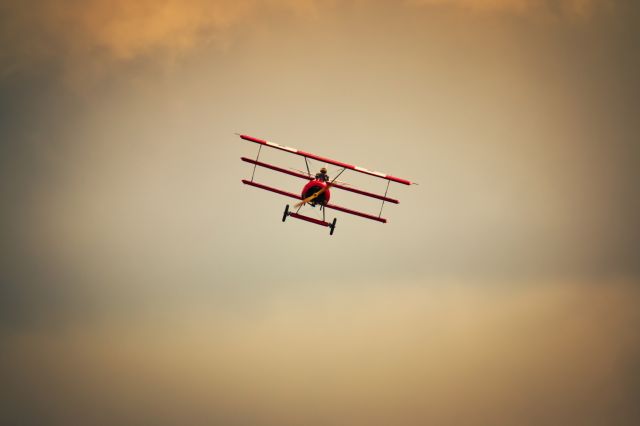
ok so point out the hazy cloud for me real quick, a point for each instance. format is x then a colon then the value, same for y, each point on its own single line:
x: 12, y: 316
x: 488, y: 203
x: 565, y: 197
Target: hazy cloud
x: 96, y: 32
x: 448, y: 353
x: 559, y: 8
x: 120, y: 29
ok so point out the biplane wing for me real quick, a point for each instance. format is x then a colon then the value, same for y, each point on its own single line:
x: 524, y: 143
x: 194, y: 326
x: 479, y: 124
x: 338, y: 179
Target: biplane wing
x: 328, y: 206
x: 326, y: 160
x: 307, y: 177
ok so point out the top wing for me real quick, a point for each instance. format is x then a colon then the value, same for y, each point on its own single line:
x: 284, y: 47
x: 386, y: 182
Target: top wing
x: 326, y: 160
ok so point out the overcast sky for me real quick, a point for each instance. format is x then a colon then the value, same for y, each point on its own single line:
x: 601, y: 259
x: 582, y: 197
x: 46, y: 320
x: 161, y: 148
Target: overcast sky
x: 142, y: 282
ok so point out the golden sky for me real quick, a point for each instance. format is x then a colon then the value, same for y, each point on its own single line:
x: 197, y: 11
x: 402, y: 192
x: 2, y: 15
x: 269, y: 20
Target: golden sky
x: 123, y: 30
x: 143, y: 283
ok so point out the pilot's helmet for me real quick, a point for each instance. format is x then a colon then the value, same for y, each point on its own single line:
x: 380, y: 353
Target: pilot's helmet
x: 323, y: 170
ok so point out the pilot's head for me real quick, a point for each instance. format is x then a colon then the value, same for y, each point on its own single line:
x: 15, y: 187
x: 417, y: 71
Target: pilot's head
x: 323, y: 170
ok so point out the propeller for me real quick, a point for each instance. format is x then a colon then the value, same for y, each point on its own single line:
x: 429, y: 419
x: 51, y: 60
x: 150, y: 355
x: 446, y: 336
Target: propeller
x: 313, y: 196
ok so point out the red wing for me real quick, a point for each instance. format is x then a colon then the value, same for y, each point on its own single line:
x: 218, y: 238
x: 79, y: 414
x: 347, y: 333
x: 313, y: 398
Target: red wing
x: 326, y: 160
x: 328, y: 206
x: 304, y: 176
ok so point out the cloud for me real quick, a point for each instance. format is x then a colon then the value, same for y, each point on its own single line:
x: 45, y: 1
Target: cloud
x: 486, y: 5
x: 117, y: 30
x: 421, y: 353
x: 95, y: 32
x: 561, y: 8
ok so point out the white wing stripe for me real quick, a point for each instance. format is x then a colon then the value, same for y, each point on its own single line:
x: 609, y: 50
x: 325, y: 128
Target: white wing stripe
x: 286, y: 148
x: 362, y: 169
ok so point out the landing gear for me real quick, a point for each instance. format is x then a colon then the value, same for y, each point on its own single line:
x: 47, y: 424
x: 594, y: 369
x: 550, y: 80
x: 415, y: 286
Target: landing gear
x: 333, y: 226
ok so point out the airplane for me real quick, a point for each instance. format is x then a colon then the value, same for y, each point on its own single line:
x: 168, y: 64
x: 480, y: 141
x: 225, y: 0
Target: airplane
x: 317, y: 191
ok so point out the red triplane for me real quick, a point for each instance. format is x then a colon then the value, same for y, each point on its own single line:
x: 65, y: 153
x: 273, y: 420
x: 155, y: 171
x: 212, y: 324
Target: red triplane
x: 317, y: 190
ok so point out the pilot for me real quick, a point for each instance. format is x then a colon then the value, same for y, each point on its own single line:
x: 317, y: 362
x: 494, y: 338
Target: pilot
x: 322, y: 175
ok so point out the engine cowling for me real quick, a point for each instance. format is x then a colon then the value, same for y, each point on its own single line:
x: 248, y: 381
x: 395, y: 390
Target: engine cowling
x: 314, y: 186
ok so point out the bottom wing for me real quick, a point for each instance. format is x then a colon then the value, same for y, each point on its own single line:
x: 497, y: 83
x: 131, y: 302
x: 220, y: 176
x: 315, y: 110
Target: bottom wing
x: 328, y: 206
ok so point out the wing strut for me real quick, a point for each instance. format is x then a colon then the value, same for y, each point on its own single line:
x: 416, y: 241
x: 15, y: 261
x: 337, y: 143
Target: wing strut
x: 256, y: 163
x: 306, y: 162
x: 385, y: 195
x: 338, y: 175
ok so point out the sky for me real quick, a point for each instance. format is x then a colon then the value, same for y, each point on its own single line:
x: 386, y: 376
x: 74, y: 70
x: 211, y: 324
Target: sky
x: 142, y: 283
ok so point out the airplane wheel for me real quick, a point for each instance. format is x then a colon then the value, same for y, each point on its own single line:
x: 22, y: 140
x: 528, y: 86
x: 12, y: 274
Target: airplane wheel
x: 333, y: 226
x: 286, y: 213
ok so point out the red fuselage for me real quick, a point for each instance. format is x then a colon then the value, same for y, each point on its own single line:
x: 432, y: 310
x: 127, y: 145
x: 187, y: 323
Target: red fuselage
x: 314, y: 186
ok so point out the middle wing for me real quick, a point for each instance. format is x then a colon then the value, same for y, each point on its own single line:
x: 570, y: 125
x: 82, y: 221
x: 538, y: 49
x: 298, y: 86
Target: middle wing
x: 334, y: 185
